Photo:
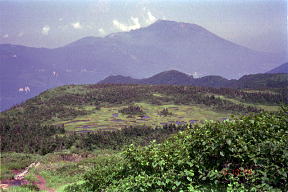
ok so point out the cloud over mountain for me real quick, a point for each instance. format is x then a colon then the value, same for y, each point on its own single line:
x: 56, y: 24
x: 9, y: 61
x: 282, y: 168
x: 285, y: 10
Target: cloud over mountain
x: 123, y: 27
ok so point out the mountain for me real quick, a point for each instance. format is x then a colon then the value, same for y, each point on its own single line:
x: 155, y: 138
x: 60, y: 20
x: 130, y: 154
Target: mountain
x: 281, y: 69
x: 178, y: 78
x: 277, y: 80
x: 119, y: 79
x: 212, y: 81
x: 171, y: 77
x: 161, y: 46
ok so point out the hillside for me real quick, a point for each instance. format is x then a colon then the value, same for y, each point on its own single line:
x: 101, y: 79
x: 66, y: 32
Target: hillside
x: 162, y: 46
x: 241, y: 149
x: 90, y: 108
x: 280, y: 69
x: 85, y: 99
x: 254, y: 81
x: 263, y: 81
x: 246, y: 154
x: 78, y: 129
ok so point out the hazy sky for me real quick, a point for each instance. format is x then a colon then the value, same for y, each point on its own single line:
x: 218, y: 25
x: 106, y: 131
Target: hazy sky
x: 257, y: 24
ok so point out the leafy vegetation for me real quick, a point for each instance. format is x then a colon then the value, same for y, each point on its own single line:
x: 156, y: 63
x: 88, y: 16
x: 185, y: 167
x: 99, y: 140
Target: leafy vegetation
x: 23, y: 188
x: 132, y: 110
x: 198, y: 158
x: 165, y: 112
x: 59, y: 169
x: 15, y: 161
x: 45, y: 142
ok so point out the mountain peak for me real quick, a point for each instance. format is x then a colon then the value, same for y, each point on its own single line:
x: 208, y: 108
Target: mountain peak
x: 170, y: 77
x: 164, y: 21
x: 90, y: 40
x: 118, y: 79
x: 172, y: 72
x: 164, y: 24
x: 169, y: 22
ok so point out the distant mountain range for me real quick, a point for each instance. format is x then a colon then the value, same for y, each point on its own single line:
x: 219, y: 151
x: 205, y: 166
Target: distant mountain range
x: 178, y: 78
x: 162, y: 46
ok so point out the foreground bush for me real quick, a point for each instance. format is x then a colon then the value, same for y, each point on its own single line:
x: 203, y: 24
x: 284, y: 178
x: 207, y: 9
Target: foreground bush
x: 245, y: 154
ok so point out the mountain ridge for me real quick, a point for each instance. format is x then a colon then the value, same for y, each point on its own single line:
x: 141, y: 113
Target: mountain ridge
x: 179, y: 78
x: 280, y: 69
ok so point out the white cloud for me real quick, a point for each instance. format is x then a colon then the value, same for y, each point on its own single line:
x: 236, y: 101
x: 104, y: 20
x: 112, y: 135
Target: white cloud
x: 76, y: 25
x: 45, y: 30
x: 135, y: 24
x: 60, y: 19
x: 148, y: 16
x: 5, y: 36
x: 151, y: 18
x: 101, y: 31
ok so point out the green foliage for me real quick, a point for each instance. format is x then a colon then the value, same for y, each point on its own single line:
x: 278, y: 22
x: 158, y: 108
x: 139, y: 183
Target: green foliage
x: 263, y: 81
x: 23, y: 188
x: 15, y: 161
x: 106, y: 169
x: 44, y: 140
x: 132, y: 110
x: 139, y: 135
x: 196, y: 158
x: 29, y: 138
x: 165, y: 112
x: 31, y: 187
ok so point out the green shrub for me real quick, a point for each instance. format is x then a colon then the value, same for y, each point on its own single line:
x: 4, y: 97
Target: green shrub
x: 132, y: 110
x: 24, y: 188
x: 31, y: 187
x: 15, y: 161
x: 196, y: 159
x: 165, y: 112
x: 106, y: 170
